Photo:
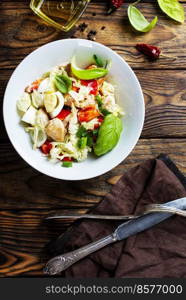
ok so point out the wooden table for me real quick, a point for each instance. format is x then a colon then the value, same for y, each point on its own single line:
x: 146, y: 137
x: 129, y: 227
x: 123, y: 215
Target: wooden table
x: 27, y: 196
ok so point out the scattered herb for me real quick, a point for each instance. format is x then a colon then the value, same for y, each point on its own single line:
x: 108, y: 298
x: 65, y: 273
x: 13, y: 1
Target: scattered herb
x: 108, y: 135
x: 113, y: 5
x: 99, y: 101
x: 63, y: 83
x: 95, y: 132
x: 82, y: 143
x: 150, y: 51
x: 81, y: 132
x: 173, y: 9
x: 138, y: 21
x: 67, y: 164
x: 104, y: 111
x: 89, y: 140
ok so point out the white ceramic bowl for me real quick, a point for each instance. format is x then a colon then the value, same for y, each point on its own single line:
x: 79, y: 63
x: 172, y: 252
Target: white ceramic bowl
x: 129, y: 95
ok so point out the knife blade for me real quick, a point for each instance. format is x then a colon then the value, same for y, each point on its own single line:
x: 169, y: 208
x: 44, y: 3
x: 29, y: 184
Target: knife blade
x: 123, y: 231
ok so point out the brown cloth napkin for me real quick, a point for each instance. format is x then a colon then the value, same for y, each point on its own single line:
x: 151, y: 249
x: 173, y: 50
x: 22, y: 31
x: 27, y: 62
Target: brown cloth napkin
x: 158, y: 252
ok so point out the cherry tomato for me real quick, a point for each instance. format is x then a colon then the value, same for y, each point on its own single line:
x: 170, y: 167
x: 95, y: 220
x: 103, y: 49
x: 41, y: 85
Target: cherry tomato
x: 46, y: 147
x: 87, y: 114
x: 93, y: 84
x: 63, y: 114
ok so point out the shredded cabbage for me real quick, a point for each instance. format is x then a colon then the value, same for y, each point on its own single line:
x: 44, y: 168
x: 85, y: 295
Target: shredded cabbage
x: 24, y: 103
x: 37, y: 135
x: 37, y: 99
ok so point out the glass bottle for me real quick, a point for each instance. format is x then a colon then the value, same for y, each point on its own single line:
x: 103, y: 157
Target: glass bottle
x: 62, y: 14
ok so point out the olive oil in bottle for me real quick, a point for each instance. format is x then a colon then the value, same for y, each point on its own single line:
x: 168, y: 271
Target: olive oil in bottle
x: 62, y: 14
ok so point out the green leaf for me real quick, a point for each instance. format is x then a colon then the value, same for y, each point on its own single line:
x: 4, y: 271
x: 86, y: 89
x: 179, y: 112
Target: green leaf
x: 99, y: 100
x: 82, y: 143
x: 138, y: 21
x: 89, y: 141
x: 173, y: 9
x: 105, y: 111
x: 67, y: 164
x: 63, y: 83
x: 99, y: 62
x: 108, y: 135
x: 81, y: 132
x: 89, y: 73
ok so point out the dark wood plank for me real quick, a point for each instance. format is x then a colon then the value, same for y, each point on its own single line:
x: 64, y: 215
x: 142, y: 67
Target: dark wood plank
x: 22, y: 187
x: 165, y: 98
x: 26, y: 196
x: 22, y: 32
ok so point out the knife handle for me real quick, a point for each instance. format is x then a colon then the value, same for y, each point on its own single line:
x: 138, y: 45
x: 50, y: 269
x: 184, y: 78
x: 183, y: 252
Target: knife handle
x: 64, y: 261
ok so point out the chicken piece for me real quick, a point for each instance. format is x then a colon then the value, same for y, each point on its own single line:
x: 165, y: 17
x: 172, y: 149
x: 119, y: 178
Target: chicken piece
x: 100, y: 81
x: 68, y: 100
x: 56, y: 130
x: 91, y: 67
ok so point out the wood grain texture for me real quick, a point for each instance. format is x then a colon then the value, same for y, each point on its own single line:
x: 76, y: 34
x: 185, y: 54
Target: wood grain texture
x: 27, y: 196
x: 23, y: 187
x: 22, y: 32
x: 165, y: 99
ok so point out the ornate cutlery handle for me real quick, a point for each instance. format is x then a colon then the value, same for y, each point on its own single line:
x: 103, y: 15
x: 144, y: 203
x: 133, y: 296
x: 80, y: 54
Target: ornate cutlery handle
x: 62, y: 262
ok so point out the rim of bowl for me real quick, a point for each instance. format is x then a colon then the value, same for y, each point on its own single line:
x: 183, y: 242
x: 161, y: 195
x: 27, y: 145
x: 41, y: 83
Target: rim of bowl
x: 137, y: 84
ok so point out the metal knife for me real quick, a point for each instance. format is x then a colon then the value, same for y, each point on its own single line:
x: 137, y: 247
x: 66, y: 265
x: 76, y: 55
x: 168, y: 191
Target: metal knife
x: 132, y: 227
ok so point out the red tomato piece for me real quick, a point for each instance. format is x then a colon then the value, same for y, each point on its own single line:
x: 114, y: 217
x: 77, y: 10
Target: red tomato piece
x: 93, y: 84
x: 35, y: 85
x: 100, y: 120
x: 46, y: 147
x: 67, y: 159
x: 87, y: 114
x: 96, y: 126
x: 63, y: 114
x: 75, y: 88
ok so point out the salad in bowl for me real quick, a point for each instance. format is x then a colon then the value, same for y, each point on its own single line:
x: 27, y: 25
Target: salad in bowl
x: 70, y: 112
x: 76, y: 103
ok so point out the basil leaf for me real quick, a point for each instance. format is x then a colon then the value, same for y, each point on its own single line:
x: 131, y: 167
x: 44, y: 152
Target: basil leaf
x: 173, y: 9
x: 108, y: 135
x: 63, y: 83
x: 138, y: 21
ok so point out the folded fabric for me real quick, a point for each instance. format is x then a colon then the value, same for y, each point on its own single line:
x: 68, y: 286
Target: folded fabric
x: 158, y: 252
